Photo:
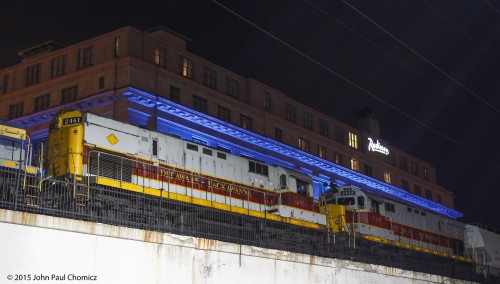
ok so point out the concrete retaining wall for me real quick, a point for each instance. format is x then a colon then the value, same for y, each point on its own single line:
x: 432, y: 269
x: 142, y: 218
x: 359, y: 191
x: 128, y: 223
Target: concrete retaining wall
x: 42, y: 249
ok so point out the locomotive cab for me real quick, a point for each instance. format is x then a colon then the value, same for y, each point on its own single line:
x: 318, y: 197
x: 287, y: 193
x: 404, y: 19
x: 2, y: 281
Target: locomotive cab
x: 65, y: 144
x: 12, y: 144
x: 295, y: 182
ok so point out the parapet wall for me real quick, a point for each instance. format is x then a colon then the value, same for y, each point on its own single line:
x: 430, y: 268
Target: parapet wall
x: 43, y: 249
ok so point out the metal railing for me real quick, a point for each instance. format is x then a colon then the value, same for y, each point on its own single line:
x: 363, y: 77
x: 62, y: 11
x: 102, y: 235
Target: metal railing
x: 136, y: 210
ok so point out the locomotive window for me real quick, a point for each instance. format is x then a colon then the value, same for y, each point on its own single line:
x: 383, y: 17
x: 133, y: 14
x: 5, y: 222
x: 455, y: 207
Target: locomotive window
x: 192, y: 147
x: 207, y: 151
x: 221, y: 155
x: 389, y: 207
x: 302, y: 187
x: 417, y: 211
x: 258, y: 168
x: 155, y: 147
x: 409, y: 209
x: 251, y: 167
x: 361, y: 201
x: 282, y: 181
x: 346, y: 201
x: 54, y: 124
x: 422, y: 213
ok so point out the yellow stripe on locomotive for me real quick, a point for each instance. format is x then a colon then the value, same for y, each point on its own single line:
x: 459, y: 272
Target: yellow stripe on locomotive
x: 65, y: 145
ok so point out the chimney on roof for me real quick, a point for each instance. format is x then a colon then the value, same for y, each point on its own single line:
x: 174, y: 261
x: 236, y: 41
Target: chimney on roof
x: 368, y: 121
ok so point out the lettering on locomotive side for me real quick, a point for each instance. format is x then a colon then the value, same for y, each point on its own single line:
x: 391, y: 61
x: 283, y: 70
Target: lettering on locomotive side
x: 227, y: 187
x: 211, y: 184
x: 179, y: 176
x: 184, y: 177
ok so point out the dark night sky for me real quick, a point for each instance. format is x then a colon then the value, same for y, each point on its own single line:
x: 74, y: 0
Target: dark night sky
x: 449, y: 82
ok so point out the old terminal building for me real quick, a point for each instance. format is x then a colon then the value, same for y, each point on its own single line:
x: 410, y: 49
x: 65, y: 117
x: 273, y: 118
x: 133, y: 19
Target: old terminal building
x: 151, y: 79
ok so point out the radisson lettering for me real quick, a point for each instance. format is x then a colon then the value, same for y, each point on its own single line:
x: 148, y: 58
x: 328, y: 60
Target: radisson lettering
x: 377, y: 147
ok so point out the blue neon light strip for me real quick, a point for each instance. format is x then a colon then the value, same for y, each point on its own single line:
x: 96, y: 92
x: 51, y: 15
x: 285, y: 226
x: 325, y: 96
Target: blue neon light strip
x: 84, y: 104
x: 266, y: 145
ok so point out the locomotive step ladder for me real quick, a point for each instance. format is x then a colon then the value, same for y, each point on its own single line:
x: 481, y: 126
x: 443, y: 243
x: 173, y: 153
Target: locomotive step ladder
x: 31, y: 195
x: 32, y: 188
x: 81, y: 195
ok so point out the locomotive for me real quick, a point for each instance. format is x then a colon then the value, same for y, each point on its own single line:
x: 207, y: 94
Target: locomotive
x: 90, y: 148
x: 93, y: 151
x: 16, y: 170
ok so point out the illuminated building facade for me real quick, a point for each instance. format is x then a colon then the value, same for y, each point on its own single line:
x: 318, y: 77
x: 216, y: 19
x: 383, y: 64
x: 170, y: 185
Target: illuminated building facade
x: 151, y: 79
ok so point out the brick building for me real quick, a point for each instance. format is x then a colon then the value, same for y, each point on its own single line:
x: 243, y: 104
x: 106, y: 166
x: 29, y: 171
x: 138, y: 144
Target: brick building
x: 107, y: 75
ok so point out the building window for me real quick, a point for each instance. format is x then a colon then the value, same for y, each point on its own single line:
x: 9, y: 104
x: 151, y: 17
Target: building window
x: 414, y: 168
x: 278, y: 134
x: 304, y: 145
x: 438, y: 198
x: 416, y: 190
x: 323, y: 127
x: 117, y: 47
x: 403, y: 163
x: 5, y: 87
x: 161, y: 56
x: 290, y: 112
x: 232, y: 87
x: 428, y: 194
x: 69, y: 94
x: 368, y: 170
x: 354, y: 164
x: 210, y: 77
x: 308, y: 120
x: 425, y: 173
x: 387, y: 177
x: 33, y: 74
x: 85, y: 57
x: 267, y: 100
x: 322, y: 152
x: 199, y: 104
x: 405, y: 184
x: 16, y: 110
x: 353, y: 140
x: 246, y: 122
x: 58, y: 67
x: 338, y: 158
x: 186, y: 67
x: 175, y: 94
x: 392, y: 158
x: 101, y: 82
x: 41, y: 103
x: 224, y: 113
x: 339, y: 134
